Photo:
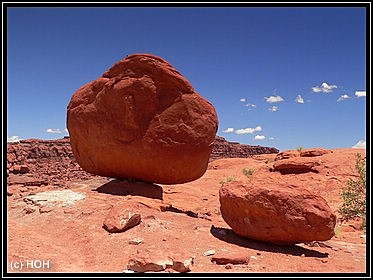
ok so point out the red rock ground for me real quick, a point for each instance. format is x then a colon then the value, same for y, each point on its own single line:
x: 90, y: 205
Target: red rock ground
x: 177, y: 220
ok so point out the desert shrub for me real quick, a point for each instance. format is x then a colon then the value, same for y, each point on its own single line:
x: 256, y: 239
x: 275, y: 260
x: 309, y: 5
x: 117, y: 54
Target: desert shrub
x: 299, y: 149
x: 354, y: 195
x: 228, y: 179
x: 248, y: 171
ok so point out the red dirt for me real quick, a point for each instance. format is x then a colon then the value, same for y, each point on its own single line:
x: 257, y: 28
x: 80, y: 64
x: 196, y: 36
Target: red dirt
x: 176, y: 220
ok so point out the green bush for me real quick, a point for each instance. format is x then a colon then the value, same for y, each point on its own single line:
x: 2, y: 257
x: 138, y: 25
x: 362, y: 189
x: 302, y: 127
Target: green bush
x: 228, y: 179
x: 354, y: 195
x: 248, y: 172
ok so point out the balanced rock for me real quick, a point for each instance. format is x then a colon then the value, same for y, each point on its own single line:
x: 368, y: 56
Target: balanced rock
x: 142, y: 120
x: 276, y: 214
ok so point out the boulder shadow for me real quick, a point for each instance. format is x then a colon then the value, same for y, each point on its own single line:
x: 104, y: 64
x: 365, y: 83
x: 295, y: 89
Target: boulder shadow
x: 125, y: 187
x: 229, y: 236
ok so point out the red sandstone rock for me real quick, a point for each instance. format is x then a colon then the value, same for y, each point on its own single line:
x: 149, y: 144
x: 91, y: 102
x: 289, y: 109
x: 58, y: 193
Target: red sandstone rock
x: 140, y: 263
x: 230, y: 258
x: 296, y: 165
x: 147, y: 260
x: 120, y: 219
x: 314, y: 152
x: 287, y: 154
x: 275, y: 213
x: 142, y: 119
x: 16, y: 169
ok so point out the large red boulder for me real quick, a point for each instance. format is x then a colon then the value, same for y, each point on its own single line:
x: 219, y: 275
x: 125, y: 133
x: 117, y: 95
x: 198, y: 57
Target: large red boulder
x: 143, y: 120
x: 276, y: 214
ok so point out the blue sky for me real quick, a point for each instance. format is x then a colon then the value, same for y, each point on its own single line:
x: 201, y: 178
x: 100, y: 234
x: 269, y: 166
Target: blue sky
x: 278, y: 77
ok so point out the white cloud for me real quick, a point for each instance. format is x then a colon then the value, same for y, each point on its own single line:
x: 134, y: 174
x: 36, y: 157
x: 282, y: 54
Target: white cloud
x: 343, y: 97
x: 271, y: 138
x: 50, y: 130
x: 360, y: 93
x: 243, y: 100
x: 324, y: 88
x: 360, y: 144
x: 13, y: 139
x: 229, y: 129
x: 299, y: 99
x: 248, y: 130
x: 250, y: 105
x: 259, y: 137
x: 273, y: 109
x: 274, y: 99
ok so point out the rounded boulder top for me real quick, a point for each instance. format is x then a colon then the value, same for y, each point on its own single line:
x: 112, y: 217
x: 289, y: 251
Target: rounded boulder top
x: 142, y: 120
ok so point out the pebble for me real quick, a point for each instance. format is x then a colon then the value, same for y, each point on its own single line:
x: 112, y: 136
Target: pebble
x: 135, y: 241
x: 209, y: 253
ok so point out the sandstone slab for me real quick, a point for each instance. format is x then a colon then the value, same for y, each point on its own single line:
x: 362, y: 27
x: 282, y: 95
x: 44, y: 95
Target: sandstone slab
x: 315, y: 152
x: 287, y: 154
x: 296, y: 165
x: 230, y: 258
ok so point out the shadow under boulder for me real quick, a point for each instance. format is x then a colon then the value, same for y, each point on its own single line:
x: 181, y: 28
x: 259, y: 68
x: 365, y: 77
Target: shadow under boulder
x: 125, y: 187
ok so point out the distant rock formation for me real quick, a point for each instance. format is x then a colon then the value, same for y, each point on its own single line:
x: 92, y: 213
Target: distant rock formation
x: 225, y: 149
x: 53, y: 162
x: 42, y: 162
x: 143, y: 120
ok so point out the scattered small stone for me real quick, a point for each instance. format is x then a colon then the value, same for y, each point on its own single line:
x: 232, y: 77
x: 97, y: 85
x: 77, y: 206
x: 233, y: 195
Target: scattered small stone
x: 253, y: 257
x: 363, y: 236
x: 120, y: 219
x: 69, y: 211
x: 228, y: 266
x: 45, y: 210
x: 229, y: 258
x: 182, y: 266
x: 29, y: 210
x: 145, y: 261
x: 303, y: 255
x: 135, y: 241
x: 209, y: 253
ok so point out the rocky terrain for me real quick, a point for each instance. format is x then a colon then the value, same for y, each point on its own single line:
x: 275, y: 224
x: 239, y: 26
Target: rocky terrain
x: 167, y: 194
x: 71, y: 221
x: 52, y: 162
